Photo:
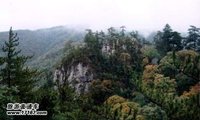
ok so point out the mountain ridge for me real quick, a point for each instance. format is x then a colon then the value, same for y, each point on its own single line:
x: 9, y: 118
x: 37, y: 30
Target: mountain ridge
x: 45, y: 41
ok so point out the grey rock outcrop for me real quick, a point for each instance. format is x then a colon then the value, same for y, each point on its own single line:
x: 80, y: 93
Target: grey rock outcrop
x: 78, y: 76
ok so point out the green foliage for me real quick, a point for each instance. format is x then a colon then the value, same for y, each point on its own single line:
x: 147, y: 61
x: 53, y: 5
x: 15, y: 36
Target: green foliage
x: 101, y: 90
x: 192, y: 41
x: 11, y: 59
x: 13, y: 70
x: 167, y: 40
x: 45, y: 45
x: 162, y: 91
x: 75, y: 56
x: 139, y: 98
x: 6, y: 96
x: 185, y: 68
x: 150, y: 52
x: 152, y: 112
x: 114, y: 100
x: 68, y: 106
x: 17, y: 80
x: 169, y: 90
x: 121, y: 108
x: 122, y: 57
x: 153, y: 84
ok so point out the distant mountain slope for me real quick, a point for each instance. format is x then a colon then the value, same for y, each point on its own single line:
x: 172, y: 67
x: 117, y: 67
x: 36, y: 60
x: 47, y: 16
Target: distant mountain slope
x: 44, y: 43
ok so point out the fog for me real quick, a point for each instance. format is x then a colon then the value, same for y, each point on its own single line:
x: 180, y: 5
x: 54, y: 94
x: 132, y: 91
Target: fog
x: 142, y: 15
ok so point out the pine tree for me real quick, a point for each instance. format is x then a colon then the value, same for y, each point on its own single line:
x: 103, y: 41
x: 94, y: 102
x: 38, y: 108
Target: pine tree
x: 168, y: 40
x: 158, y: 41
x: 193, y: 39
x: 167, y: 36
x: 10, y: 58
x: 176, y: 41
x: 13, y: 70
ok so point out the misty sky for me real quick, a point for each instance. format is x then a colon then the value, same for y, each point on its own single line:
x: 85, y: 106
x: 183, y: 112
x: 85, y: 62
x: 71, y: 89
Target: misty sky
x: 99, y: 14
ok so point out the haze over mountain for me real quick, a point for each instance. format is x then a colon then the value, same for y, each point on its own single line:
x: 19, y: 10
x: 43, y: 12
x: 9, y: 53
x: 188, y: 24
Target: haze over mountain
x: 142, y: 15
x: 44, y: 44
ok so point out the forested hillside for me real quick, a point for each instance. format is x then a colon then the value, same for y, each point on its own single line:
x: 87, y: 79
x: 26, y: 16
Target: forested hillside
x: 110, y: 75
x: 45, y: 45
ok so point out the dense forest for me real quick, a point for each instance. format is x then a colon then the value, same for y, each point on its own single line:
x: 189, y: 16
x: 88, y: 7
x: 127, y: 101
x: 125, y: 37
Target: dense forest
x: 103, y: 75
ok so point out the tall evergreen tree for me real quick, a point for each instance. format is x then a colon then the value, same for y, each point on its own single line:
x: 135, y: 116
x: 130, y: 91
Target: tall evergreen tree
x: 158, y: 41
x: 168, y: 40
x: 92, y: 43
x: 167, y: 36
x: 13, y: 70
x: 193, y: 39
x: 10, y: 58
x: 176, y: 41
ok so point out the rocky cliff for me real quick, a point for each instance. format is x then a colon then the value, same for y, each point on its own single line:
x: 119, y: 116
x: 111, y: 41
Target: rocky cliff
x: 78, y: 76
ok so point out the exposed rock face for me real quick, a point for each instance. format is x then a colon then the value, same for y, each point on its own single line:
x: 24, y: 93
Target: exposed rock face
x: 77, y: 76
x: 154, y: 61
x: 108, y: 49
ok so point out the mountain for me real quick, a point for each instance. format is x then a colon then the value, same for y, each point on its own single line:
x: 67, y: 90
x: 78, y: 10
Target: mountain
x: 44, y: 44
